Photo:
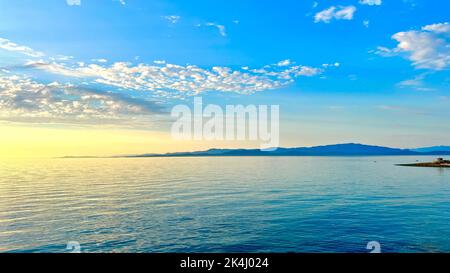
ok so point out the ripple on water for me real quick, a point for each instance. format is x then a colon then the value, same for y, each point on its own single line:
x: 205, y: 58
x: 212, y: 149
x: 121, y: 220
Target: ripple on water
x: 223, y: 205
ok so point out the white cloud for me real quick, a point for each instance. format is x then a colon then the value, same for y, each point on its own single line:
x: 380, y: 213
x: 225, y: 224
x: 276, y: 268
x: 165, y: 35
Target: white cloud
x: 221, y: 28
x: 170, y: 80
x: 10, y: 46
x: 173, y: 19
x: 62, y: 58
x: 100, y: 60
x: 337, y: 13
x: 331, y: 65
x: 308, y: 71
x: 22, y: 99
x: 73, y: 2
x: 162, y: 79
x: 428, y: 48
x: 371, y: 2
x: 284, y: 62
x: 384, y: 51
x: 438, y: 28
x: 78, y: 2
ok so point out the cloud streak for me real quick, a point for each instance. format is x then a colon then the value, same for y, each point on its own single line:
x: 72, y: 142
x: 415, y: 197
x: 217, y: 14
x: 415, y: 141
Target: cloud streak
x: 371, y: 2
x: 73, y: 2
x: 6, y: 44
x: 220, y: 28
x: 335, y: 13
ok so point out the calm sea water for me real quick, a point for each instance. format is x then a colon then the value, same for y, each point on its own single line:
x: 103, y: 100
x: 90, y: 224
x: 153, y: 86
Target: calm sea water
x: 235, y: 204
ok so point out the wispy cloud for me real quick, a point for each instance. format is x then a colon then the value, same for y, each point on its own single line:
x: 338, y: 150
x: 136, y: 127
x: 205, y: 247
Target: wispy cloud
x: 73, y: 2
x: 371, y: 2
x: 428, y: 48
x: 441, y: 28
x: 336, y: 13
x: 220, y: 28
x: 78, y: 2
x: 417, y: 83
x: 408, y: 110
x: 173, y: 19
x: 6, y: 44
x: 100, y: 60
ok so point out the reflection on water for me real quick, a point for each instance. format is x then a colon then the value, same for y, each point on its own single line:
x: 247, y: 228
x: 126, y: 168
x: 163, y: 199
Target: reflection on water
x: 236, y: 204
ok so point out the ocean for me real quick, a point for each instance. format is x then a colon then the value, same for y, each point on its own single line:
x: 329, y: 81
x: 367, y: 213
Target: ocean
x: 224, y: 204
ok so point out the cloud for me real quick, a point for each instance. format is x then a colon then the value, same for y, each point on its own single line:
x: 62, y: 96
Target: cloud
x: 366, y: 23
x: 384, y: 51
x: 100, y: 60
x: 331, y: 65
x: 55, y: 68
x: 73, y: 2
x: 169, y: 80
x: 428, y: 48
x: 337, y: 13
x: 173, y: 19
x: 164, y: 80
x: 438, y: 28
x: 22, y: 99
x: 78, y: 2
x: 308, y: 71
x: 221, y: 28
x: 6, y: 44
x: 371, y: 2
x: 416, y: 83
x: 284, y: 63
x: 408, y: 110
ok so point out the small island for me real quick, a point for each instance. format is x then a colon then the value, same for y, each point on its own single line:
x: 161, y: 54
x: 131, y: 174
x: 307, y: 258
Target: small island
x: 438, y: 163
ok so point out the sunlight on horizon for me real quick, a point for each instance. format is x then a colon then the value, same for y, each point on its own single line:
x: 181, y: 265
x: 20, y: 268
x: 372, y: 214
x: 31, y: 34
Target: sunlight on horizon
x: 18, y: 141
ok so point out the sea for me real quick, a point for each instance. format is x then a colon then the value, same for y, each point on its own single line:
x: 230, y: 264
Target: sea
x: 223, y: 204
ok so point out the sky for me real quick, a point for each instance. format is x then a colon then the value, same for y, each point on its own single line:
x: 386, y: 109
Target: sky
x: 84, y: 77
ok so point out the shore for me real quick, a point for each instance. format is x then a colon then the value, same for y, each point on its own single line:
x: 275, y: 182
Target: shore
x: 430, y: 165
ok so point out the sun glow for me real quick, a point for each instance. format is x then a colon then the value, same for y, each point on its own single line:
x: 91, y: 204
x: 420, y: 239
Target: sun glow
x: 20, y: 141
x: 26, y: 141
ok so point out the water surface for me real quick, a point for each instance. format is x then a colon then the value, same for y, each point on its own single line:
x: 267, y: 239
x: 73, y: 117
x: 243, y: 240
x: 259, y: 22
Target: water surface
x: 224, y: 204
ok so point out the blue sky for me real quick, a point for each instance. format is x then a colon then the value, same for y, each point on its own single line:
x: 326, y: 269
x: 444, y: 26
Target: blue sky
x: 373, y: 71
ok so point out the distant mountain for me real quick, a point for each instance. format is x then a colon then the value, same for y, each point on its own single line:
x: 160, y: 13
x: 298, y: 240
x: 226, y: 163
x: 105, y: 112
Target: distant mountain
x: 350, y: 149
x: 432, y: 149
